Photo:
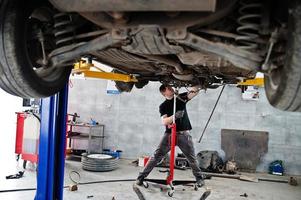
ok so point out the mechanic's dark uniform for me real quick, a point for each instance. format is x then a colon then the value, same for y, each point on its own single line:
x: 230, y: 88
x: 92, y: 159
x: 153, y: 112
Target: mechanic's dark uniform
x: 184, y: 139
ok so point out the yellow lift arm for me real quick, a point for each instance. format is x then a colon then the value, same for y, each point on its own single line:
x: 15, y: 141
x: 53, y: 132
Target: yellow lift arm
x: 82, y: 67
x: 256, y: 82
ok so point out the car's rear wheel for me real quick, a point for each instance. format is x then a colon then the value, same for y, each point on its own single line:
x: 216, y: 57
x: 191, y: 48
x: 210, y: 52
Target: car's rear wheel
x: 23, y: 71
x: 283, y: 84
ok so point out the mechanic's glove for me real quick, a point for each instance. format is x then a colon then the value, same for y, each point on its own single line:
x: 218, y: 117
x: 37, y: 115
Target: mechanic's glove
x: 179, y: 114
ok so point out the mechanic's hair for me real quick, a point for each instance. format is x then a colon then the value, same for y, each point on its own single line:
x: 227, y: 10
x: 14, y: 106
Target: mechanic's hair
x: 163, y: 87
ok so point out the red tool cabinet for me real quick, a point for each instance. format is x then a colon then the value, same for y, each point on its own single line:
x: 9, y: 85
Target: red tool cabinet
x: 27, y: 137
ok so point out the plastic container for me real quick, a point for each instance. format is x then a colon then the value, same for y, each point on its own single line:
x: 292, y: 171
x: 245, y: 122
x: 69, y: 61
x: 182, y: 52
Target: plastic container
x: 115, y: 154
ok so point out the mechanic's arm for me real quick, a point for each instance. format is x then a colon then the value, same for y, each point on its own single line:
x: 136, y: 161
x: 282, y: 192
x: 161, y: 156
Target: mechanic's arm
x: 193, y: 92
x: 168, y: 120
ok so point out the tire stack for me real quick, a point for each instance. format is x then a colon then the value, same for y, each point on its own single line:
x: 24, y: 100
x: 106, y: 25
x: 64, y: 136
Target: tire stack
x: 98, y: 162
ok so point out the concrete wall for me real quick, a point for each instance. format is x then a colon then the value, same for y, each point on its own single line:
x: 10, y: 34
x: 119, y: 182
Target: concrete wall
x: 133, y: 122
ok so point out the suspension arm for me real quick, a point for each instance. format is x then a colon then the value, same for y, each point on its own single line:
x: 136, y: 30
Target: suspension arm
x: 60, y: 56
x: 238, y: 57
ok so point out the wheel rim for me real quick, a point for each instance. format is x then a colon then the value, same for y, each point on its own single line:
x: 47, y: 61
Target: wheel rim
x: 99, y: 156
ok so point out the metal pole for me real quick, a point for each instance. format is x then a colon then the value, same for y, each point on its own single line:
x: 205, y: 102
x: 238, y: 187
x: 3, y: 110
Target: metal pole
x: 89, y: 140
x: 61, y: 143
x: 174, y: 105
x: 52, y: 146
x: 219, y: 96
x: 45, y: 182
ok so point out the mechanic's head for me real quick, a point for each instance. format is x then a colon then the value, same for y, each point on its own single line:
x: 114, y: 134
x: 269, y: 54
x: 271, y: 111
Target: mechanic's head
x: 167, y: 91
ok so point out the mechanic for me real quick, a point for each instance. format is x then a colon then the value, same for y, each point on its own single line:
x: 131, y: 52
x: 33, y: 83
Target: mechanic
x: 184, y: 139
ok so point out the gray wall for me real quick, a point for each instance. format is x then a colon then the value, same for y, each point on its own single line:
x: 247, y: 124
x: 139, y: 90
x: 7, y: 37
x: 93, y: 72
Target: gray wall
x: 133, y: 122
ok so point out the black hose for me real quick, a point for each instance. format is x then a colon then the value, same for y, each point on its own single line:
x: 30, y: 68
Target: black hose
x: 84, y: 183
x: 36, y: 116
x: 106, y: 181
x: 18, y: 190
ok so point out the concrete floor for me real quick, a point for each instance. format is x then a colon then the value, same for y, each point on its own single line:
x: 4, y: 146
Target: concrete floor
x: 226, y: 189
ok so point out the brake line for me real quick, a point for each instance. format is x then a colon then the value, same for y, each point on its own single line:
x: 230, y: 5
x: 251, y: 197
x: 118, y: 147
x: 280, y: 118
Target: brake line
x: 219, y: 96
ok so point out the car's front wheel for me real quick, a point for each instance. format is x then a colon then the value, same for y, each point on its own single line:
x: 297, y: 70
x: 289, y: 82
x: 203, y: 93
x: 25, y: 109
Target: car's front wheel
x: 26, y: 37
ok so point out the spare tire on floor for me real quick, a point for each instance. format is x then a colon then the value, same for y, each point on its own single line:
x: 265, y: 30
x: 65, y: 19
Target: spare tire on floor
x: 98, y: 162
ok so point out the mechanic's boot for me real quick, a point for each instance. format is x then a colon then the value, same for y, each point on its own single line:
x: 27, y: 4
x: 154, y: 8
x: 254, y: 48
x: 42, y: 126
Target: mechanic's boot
x: 206, y: 176
x: 139, y: 180
x: 200, y: 180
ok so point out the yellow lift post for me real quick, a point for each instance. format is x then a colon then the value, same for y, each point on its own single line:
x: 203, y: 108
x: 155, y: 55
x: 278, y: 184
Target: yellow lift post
x: 83, y: 67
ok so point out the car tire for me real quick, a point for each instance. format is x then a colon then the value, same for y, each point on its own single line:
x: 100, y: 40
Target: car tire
x: 18, y: 72
x: 283, y: 85
x: 98, y: 162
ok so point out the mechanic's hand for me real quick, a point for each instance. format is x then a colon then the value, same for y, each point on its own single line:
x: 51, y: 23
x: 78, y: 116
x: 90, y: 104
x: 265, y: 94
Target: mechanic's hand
x: 196, y: 88
x: 179, y: 114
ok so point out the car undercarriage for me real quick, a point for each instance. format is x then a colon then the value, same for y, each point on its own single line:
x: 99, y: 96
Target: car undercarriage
x: 166, y: 46
x: 207, y: 43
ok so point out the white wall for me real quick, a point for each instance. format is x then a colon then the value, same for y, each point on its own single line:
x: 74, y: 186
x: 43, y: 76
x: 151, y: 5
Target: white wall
x: 8, y: 106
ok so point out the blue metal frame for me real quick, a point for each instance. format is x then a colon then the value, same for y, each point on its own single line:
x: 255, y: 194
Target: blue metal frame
x: 50, y: 180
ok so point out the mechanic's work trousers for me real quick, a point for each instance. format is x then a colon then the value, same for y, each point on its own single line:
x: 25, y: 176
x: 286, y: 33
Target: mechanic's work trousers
x: 184, y: 142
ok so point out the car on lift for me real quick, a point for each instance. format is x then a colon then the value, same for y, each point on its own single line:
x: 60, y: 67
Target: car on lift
x: 177, y: 42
